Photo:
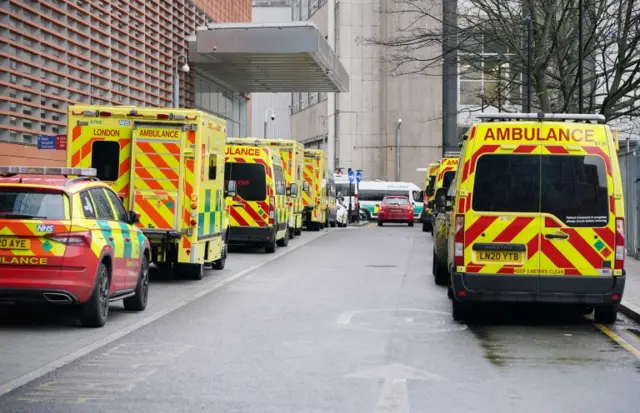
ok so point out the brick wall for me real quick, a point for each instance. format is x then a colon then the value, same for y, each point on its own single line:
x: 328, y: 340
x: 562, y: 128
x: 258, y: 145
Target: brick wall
x: 224, y: 11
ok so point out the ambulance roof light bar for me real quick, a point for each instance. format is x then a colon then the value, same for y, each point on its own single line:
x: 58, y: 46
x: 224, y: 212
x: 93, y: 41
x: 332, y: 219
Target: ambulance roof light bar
x: 47, y: 170
x: 585, y: 117
x: 449, y: 154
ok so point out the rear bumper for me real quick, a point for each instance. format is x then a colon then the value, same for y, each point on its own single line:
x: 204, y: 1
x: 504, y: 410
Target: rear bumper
x: 597, y: 290
x: 251, y: 235
x: 30, y: 285
x: 395, y: 218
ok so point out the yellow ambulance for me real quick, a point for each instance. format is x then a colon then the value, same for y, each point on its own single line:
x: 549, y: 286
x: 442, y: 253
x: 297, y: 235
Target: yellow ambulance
x: 446, y: 172
x: 292, y: 158
x: 429, y: 191
x: 259, y: 212
x: 538, y: 215
x: 166, y: 165
x: 314, y: 194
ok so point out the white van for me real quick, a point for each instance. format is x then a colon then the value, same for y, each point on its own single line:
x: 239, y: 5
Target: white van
x: 371, y: 194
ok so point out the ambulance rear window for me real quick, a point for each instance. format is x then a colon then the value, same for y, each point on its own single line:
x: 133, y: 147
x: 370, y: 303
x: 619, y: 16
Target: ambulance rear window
x: 447, y: 178
x: 250, y: 179
x: 21, y: 204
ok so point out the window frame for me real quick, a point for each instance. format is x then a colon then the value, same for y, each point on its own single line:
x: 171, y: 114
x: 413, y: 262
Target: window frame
x: 95, y: 203
x: 115, y: 203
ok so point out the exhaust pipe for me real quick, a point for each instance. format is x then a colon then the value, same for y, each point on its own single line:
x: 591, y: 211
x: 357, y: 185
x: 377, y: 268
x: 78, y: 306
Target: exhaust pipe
x: 58, y: 298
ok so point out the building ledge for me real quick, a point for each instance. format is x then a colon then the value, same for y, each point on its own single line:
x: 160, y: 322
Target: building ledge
x: 267, y: 57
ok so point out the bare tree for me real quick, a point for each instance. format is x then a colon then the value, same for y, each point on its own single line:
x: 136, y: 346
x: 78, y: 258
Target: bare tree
x: 493, y: 51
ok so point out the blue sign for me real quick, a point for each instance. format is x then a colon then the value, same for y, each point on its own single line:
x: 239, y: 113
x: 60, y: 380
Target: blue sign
x: 351, y: 176
x: 358, y: 176
x: 47, y: 142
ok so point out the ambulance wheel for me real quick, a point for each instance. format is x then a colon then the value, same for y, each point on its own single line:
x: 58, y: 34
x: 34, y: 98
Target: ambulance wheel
x: 410, y: 223
x: 459, y: 310
x: 219, y: 263
x: 440, y: 274
x: 94, y: 312
x: 190, y: 271
x: 270, y: 248
x: 290, y: 233
x: 284, y: 241
x: 426, y: 225
x: 139, y: 301
x: 333, y: 224
x: 450, y: 293
x: 297, y: 232
x: 606, y: 315
x: 379, y: 223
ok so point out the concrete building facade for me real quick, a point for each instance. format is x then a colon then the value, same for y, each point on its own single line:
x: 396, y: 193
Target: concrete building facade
x: 59, y: 52
x: 361, y: 128
x: 264, y: 105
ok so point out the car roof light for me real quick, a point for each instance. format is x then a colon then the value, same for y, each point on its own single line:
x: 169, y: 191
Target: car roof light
x: 163, y: 116
x: 47, y: 170
x: 104, y: 114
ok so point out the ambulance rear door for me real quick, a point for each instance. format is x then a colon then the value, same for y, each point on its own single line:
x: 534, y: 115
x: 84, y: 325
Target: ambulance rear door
x: 156, y: 182
x: 577, y: 206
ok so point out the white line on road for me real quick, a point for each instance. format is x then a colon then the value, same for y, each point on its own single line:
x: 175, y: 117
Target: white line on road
x: 62, y: 361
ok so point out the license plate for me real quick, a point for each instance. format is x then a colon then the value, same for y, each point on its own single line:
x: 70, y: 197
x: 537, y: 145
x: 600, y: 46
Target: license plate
x: 396, y: 210
x: 499, y: 256
x: 14, y: 244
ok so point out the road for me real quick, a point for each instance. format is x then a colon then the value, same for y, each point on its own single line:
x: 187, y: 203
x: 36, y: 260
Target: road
x: 348, y: 322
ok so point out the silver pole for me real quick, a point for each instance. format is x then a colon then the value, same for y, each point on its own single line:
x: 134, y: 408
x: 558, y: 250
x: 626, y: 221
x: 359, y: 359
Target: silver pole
x: 398, y: 152
x: 265, y: 129
x: 176, y: 88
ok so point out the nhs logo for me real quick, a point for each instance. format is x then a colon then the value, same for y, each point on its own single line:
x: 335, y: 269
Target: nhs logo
x: 44, y: 228
x: 124, y: 123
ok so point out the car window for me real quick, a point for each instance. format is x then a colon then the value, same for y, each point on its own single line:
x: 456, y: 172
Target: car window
x: 88, y: 209
x: 102, y: 204
x: 417, y: 196
x: 507, y: 183
x: 30, y: 203
x: 396, y: 201
x: 251, y: 180
x: 121, y: 213
x: 574, y: 189
x: 447, y: 178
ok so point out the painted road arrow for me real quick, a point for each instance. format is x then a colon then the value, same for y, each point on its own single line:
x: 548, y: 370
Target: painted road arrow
x: 394, y: 397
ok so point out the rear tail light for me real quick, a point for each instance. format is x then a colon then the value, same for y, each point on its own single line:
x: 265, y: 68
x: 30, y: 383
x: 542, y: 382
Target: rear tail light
x: 620, y: 247
x: 272, y: 210
x: 458, y: 241
x: 81, y: 238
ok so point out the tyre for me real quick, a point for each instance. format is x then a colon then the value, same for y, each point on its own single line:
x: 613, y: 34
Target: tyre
x: 94, y: 312
x: 433, y: 263
x: 139, y: 301
x: 221, y: 262
x: 449, y: 293
x: 283, y: 242
x: 459, y: 310
x: 191, y: 271
x: 410, y: 223
x: 426, y: 225
x: 379, y: 223
x: 606, y: 314
x: 271, y: 247
x: 290, y: 233
x: 333, y: 224
x: 297, y: 232
x: 441, y: 274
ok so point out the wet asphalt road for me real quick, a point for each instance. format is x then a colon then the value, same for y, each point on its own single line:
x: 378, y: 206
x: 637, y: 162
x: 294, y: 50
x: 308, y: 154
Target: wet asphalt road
x: 363, y: 329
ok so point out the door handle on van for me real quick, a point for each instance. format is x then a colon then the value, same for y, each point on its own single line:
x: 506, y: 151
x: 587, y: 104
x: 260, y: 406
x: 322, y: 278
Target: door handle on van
x: 556, y: 236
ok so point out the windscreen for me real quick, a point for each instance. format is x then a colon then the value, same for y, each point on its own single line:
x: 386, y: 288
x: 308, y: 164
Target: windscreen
x: 20, y: 204
x: 572, y: 188
x: 396, y: 201
x: 431, y: 185
x: 250, y: 179
x: 447, y: 178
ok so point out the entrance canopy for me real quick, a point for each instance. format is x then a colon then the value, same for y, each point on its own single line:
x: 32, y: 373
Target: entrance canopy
x: 267, y: 57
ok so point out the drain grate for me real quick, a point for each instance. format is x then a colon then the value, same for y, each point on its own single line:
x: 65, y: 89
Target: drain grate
x: 381, y: 266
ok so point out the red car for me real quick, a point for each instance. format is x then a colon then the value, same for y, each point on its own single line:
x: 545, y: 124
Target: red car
x: 395, y: 209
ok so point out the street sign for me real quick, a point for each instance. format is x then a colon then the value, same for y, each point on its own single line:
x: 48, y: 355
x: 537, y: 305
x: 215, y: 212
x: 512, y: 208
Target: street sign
x: 339, y: 172
x: 52, y: 142
x: 358, y: 176
x: 351, y: 176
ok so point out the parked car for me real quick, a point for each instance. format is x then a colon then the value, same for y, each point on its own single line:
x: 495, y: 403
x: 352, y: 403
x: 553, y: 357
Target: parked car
x: 395, y: 208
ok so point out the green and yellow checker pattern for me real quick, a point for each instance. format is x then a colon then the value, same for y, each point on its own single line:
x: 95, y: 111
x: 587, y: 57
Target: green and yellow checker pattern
x: 210, y: 218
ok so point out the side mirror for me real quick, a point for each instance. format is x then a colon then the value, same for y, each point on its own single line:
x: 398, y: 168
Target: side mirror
x: 134, y: 217
x: 293, y: 190
x: 232, y: 189
x: 340, y: 195
x: 305, y: 186
x: 440, y: 200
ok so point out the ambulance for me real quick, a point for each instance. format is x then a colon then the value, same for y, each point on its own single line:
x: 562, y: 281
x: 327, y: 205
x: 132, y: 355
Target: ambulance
x: 446, y: 172
x: 429, y: 190
x: 538, y: 215
x: 259, y: 212
x: 166, y: 165
x: 292, y: 158
x: 314, y: 194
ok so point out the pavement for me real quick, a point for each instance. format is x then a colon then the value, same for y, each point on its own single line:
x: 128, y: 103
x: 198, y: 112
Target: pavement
x: 631, y: 297
x: 346, y: 321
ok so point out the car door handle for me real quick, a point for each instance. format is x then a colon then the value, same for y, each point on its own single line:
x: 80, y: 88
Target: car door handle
x: 556, y: 236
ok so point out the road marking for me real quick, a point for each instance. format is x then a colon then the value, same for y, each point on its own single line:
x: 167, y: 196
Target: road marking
x: 615, y: 337
x: 394, y: 396
x: 73, y: 356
